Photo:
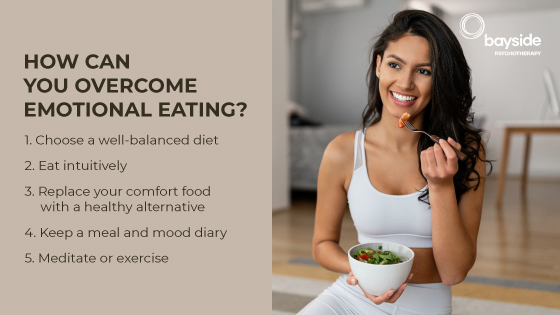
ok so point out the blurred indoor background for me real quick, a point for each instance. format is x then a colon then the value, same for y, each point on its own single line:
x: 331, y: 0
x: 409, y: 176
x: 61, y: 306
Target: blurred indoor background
x: 320, y: 61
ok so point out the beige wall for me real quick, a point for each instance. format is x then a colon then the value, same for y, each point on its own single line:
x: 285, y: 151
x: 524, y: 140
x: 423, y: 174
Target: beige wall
x: 226, y: 46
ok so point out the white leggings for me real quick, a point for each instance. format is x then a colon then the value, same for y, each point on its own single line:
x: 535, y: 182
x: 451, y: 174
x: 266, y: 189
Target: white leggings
x: 341, y: 299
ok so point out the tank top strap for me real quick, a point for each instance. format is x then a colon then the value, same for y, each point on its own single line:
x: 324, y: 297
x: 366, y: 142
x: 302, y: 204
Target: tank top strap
x: 358, y: 150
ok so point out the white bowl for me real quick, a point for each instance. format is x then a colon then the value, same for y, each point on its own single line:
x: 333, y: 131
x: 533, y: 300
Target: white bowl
x: 378, y: 279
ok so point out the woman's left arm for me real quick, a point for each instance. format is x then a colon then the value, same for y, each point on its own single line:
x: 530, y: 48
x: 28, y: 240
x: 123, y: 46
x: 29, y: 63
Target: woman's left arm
x: 454, y: 226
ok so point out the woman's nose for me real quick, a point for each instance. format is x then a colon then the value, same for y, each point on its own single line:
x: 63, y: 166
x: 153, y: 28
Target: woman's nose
x: 405, y: 81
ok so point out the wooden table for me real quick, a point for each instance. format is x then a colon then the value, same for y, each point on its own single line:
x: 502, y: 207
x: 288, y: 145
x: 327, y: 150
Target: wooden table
x: 528, y: 128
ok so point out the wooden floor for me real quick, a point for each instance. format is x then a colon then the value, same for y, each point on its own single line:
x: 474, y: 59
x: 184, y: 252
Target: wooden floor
x: 519, y: 242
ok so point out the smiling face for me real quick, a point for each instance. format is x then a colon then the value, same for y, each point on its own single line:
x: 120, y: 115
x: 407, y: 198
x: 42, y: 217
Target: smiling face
x: 405, y: 76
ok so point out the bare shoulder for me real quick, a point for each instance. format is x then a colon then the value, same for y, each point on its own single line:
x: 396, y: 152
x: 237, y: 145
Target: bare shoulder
x: 338, y: 161
x: 340, y: 150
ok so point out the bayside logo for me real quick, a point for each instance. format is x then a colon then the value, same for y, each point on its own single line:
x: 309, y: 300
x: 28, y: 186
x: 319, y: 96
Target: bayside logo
x: 500, y: 41
x: 464, y: 31
x: 514, y: 41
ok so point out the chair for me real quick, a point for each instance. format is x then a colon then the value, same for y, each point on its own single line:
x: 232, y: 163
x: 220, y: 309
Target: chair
x: 528, y: 128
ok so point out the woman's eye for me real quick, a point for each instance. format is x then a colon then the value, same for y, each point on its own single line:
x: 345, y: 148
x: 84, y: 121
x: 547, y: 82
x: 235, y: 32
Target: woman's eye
x: 421, y: 71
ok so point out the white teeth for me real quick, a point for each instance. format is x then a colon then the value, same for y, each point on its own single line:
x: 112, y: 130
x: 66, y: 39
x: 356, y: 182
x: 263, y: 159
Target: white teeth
x: 403, y: 98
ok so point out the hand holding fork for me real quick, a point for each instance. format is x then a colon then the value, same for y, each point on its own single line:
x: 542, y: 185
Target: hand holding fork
x: 434, y: 138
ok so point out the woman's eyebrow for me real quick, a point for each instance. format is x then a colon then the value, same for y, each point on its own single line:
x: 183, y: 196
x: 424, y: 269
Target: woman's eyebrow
x: 426, y: 64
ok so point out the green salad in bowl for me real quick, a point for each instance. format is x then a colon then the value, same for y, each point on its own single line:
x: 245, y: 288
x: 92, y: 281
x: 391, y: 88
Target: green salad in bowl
x: 378, y: 257
x: 381, y: 266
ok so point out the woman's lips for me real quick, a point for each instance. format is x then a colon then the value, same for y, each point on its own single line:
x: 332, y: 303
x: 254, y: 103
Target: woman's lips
x: 401, y: 103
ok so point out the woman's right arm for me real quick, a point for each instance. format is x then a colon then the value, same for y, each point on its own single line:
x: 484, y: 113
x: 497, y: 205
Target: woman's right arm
x: 335, y: 171
x: 334, y: 174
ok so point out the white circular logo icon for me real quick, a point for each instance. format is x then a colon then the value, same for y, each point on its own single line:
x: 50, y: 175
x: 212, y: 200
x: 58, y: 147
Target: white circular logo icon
x: 467, y: 34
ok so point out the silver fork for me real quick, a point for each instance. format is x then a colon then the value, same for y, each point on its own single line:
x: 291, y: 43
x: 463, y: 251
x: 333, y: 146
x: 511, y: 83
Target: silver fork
x: 434, y: 138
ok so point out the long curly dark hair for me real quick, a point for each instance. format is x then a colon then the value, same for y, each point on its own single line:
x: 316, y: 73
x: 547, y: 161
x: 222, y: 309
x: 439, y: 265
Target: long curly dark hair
x: 449, y: 113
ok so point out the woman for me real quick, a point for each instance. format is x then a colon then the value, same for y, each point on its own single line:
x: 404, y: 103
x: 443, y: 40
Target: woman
x: 400, y: 186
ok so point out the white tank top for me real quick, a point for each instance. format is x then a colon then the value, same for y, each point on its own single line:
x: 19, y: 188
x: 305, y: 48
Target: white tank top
x: 380, y: 217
